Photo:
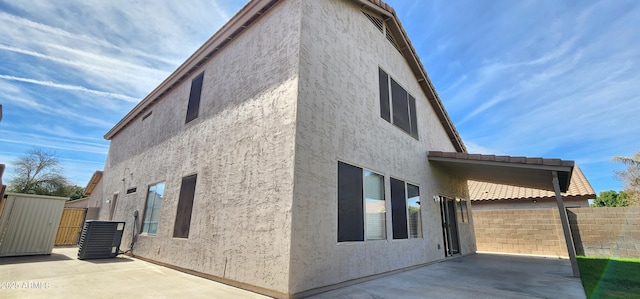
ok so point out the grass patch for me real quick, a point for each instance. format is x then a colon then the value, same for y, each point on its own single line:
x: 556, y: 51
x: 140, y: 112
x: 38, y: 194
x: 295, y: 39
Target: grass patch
x: 610, y: 277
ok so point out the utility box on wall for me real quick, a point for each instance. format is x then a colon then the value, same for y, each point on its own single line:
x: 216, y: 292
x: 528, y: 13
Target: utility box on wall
x: 29, y: 224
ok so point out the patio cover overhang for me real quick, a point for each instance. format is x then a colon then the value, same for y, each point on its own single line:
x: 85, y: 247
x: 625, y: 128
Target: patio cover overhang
x: 547, y: 174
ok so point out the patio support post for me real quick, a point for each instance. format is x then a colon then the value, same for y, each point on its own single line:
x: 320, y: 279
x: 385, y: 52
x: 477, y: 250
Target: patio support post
x: 565, y: 225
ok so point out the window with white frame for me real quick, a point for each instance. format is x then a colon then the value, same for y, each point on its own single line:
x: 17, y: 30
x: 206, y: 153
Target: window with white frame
x: 375, y: 206
x: 397, y: 106
x: 361, y: 204
x: 405, y: 210
x: 152, y: 208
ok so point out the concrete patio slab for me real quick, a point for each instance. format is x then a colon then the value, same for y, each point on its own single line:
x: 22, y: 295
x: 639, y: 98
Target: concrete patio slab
x: 475, y: 276
x: 62, y: 275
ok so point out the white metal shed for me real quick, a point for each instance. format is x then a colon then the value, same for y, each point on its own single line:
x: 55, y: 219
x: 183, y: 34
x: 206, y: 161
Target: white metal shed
x: 29, y: 223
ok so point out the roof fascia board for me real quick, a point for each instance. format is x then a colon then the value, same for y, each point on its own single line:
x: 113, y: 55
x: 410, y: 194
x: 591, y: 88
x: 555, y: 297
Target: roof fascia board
x: 226, y: 33
x: 93, y: 182
x: 504, y: 164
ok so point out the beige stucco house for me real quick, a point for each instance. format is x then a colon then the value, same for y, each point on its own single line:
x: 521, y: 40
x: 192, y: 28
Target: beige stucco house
x: 289, y: 155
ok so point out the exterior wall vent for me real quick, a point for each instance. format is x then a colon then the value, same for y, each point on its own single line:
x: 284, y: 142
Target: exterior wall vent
x: 383, y: 29
x: 392, y: 41
x: 377, y: 22
x: 100, y: 239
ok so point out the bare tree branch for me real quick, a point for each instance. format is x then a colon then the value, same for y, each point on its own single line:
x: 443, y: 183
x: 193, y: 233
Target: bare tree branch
x: 630, y: 176
x: 38, y: 172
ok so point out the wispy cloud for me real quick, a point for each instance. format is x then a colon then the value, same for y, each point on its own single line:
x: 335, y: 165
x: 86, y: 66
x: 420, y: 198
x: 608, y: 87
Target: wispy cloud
x: 46, y: 141
x: 71, y: 69
x: 72, y: 88
x: 538, y: 78
x: 20, y: 22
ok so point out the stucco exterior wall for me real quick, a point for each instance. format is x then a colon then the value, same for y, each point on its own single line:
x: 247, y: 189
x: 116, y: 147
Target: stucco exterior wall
x: 546, y: 203
x: 96, y: 199
x: 339, y: 120
x: 241, y: 147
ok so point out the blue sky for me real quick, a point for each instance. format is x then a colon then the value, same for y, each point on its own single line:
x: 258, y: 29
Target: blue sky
x: 544, y: 78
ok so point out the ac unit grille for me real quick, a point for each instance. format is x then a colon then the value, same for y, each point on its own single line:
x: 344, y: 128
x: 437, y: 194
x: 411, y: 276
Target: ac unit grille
x: 100, y: 239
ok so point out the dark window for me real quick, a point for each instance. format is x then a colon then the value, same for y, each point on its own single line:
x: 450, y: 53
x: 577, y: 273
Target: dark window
x: 350, y: 209
x: 385, y: 111
x: 399, y: 103
x: 398, y: 209
x: 405, y: 200
x: 194, y: 98
x: 185, y: 207
x: 131, y: 190
x: 412, y: 116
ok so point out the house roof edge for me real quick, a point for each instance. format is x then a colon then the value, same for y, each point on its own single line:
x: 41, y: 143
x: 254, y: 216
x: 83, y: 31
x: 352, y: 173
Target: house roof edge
x: 247, y: 16
x: 231, y: 29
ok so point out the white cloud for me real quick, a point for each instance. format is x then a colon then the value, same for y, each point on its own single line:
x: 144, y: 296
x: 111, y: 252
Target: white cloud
x: 72, y: 88
x: 71, y: 69
x: 474, y: 148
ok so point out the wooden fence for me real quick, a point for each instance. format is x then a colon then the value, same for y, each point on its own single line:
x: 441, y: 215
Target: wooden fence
x: 70, y: 226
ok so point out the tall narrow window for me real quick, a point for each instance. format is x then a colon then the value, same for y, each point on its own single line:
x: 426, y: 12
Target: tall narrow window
x: 413, y: 206
x: 350, y: 211
x: 397, y: 106
x: 463, y: 212
x: 412, y: 116
x: 185, y: 207
x: 398, y: 209
x: 152, y: 208
x: 385, y: 110
x: 375, y: 206
x: 400, y: 105
x: 405, y: 210
x: 194, y: 98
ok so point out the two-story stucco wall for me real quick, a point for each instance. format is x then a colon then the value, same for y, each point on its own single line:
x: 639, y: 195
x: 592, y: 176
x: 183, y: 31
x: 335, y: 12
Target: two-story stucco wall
x: 241, y: 147
x: 339, y: 120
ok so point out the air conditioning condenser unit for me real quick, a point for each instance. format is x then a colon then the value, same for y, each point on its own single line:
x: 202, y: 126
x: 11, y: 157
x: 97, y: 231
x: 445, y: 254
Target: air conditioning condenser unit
x: 100, y: 239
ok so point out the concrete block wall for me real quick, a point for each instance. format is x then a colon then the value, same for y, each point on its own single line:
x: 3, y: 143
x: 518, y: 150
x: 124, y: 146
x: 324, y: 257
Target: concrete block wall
x: 606, y: 232
x: 533, y: 231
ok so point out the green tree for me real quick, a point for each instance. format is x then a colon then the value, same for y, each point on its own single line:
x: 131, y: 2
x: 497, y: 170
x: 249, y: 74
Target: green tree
x: 73, y: 192
x: 38, y: 172
x: 611, y: 199
x: 630, y: 177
